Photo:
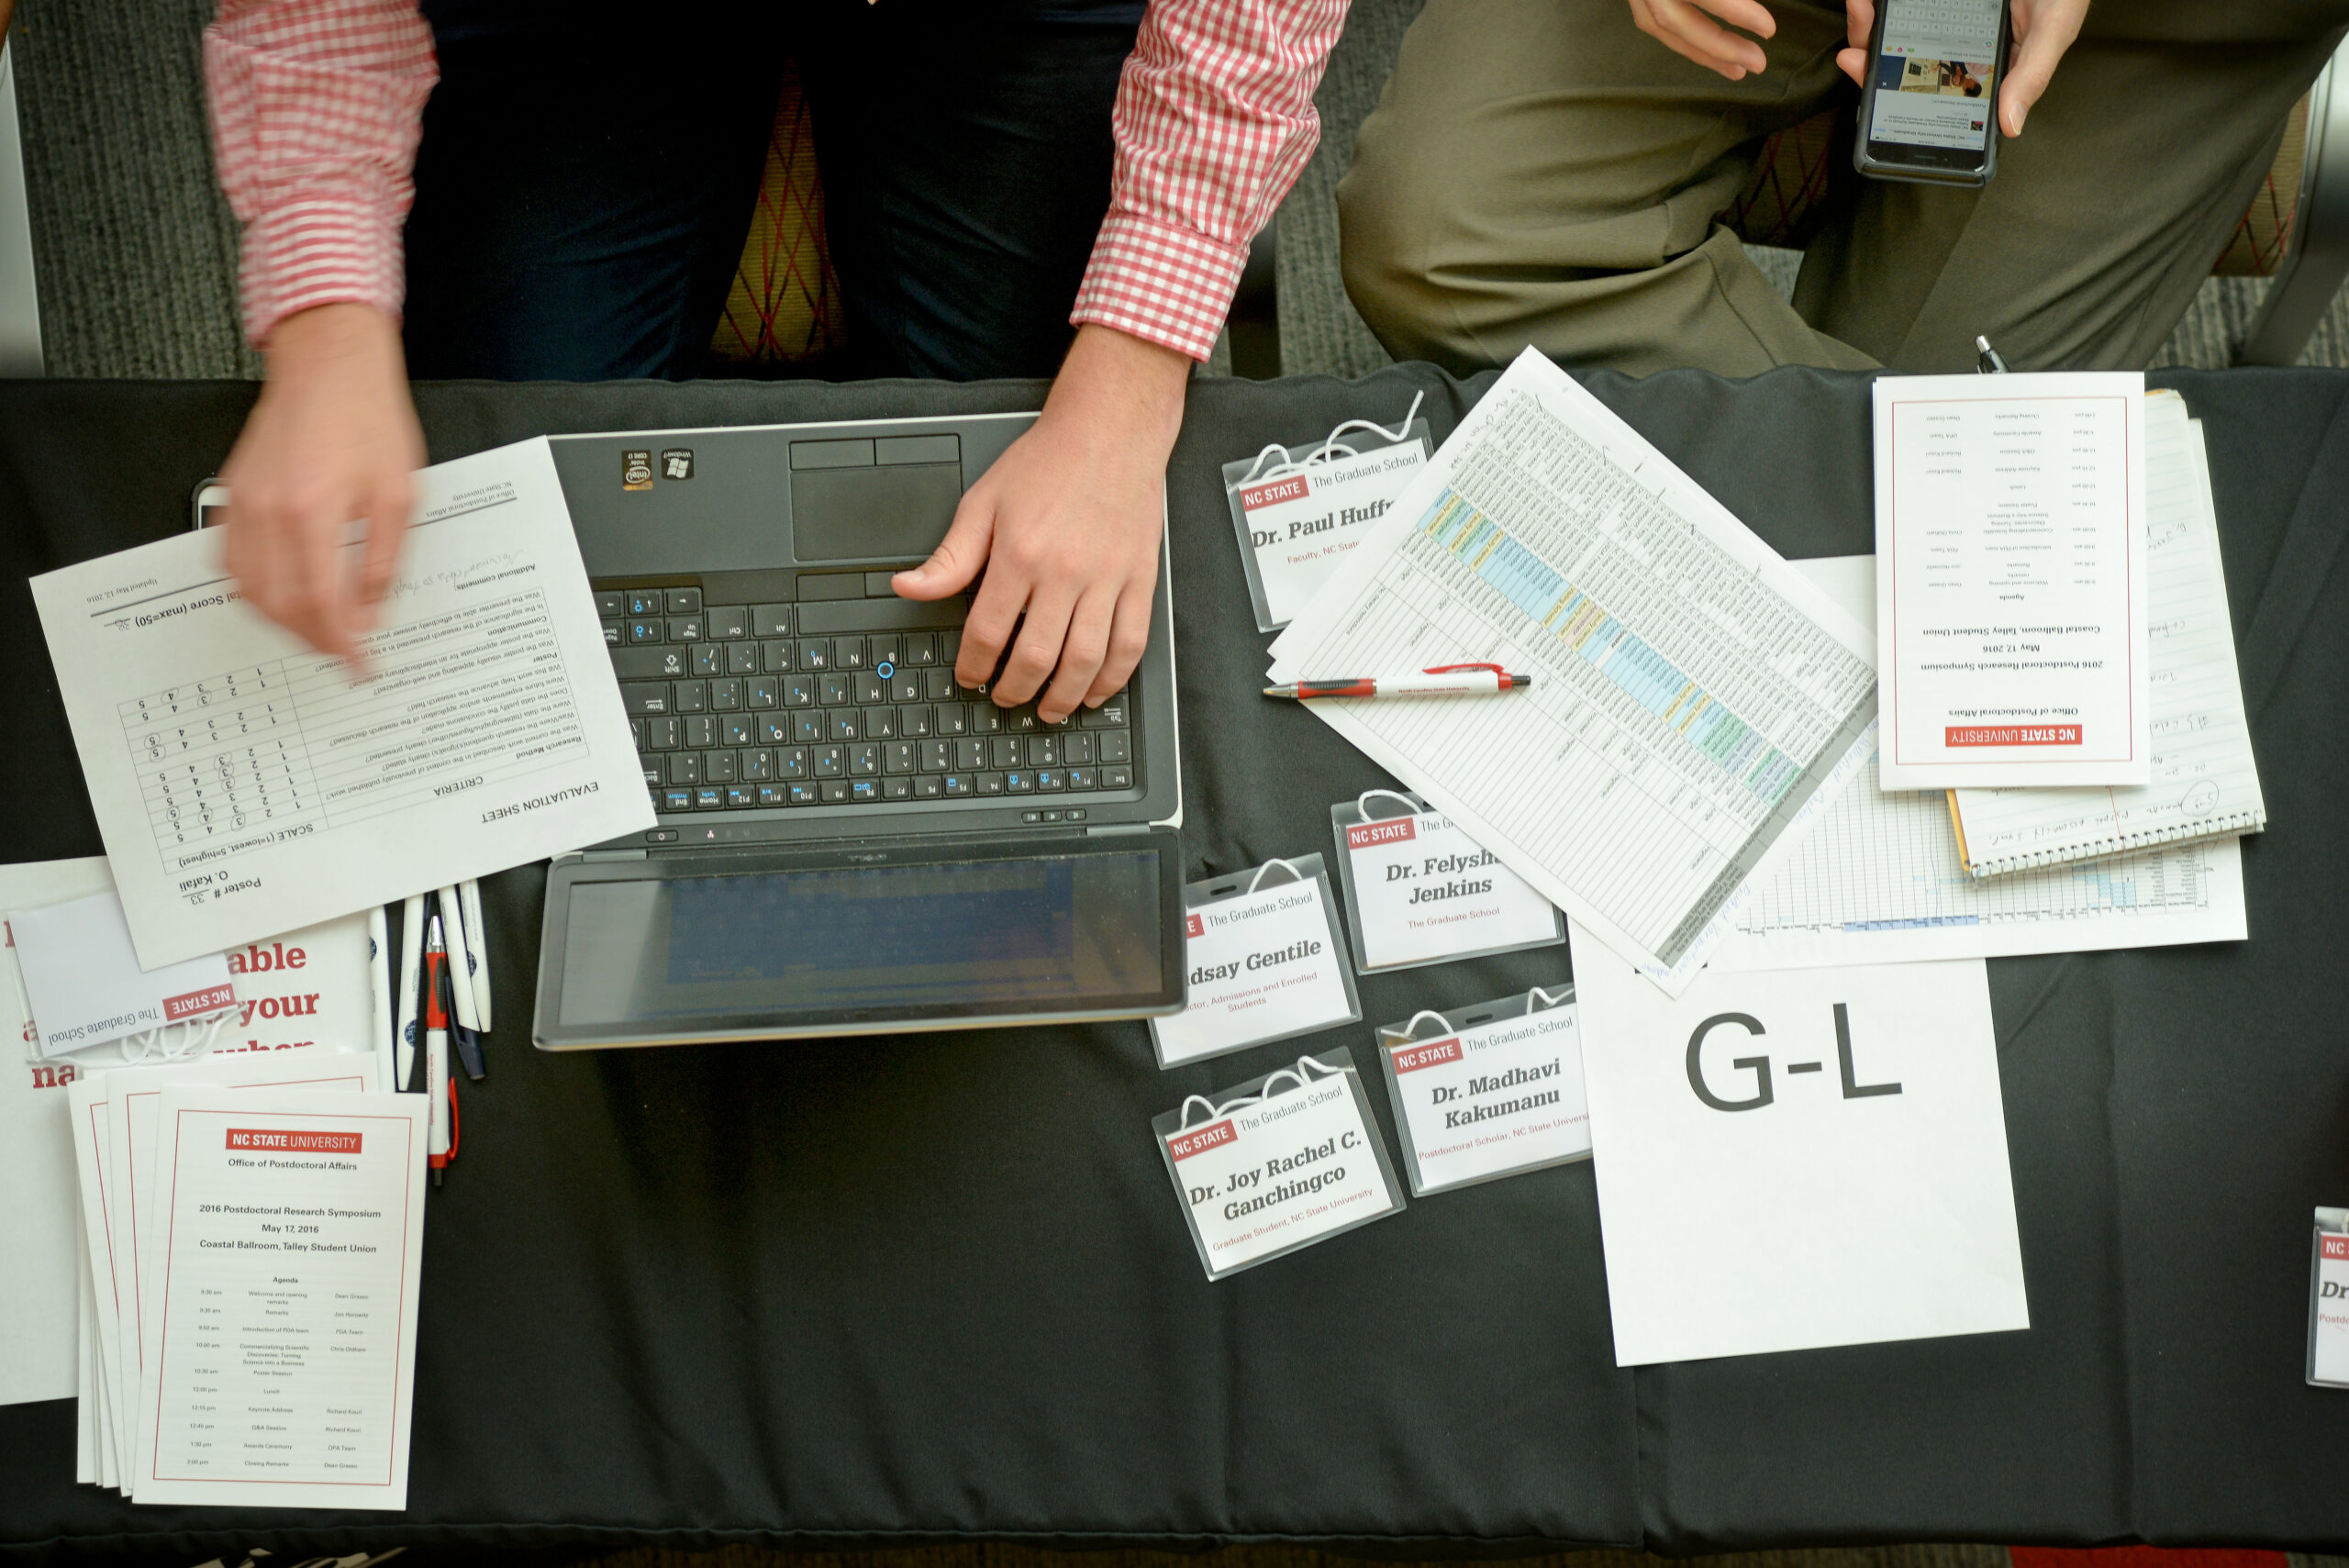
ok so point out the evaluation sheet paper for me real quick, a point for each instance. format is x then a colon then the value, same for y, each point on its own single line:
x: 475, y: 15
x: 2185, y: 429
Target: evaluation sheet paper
x: 246, y: 784
x: 2011, y: 579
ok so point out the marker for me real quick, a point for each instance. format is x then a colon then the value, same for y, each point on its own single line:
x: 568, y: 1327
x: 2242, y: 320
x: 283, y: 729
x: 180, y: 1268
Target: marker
x: 1987, y: 361
x: 436, y: 1054
x: 405, y: 1041
x: 476, y: 947
x: 379, y: 967
x: 1443, y: 680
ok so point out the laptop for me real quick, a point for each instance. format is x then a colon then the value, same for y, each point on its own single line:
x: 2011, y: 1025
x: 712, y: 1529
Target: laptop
x: 849, y: 842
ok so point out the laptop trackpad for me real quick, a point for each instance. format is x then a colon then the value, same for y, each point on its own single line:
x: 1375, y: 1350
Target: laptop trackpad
x: 894, y: 511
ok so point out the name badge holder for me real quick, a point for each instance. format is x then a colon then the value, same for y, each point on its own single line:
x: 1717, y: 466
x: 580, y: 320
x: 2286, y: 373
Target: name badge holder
x: 1518, y: 916
x: 2329, y: 1301
x: 1331, y: 457
x: 1277, y: 1164
x: 1200, y: 900
x: 1524, y: 1116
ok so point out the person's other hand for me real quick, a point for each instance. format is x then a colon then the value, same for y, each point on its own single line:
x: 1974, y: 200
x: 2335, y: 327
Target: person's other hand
x: 2043, y: 29
x: 1067, y: 524
x: 333, y: 438
x: 1684, y: 27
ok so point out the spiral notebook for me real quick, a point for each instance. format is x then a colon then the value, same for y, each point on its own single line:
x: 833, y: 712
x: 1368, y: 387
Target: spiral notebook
x: 2205, y: 782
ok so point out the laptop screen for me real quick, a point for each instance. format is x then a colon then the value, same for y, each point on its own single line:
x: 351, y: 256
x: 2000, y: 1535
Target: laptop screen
x: 1031, y: 934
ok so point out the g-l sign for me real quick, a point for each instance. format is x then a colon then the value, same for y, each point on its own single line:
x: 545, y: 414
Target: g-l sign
x: 1759, y: 1067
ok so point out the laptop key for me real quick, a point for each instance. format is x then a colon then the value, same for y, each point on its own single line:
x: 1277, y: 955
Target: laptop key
x: 906, y: 687
x: 913, y: 723
x: 761, y: 691
x: 758, y: 764
x: 610, y: 602
x: 728, y: 622
x: 842, y: 724
x: 929, y: 787
x: 1111, y: 715
x: 1020, y: 782
x: 799, y: 691
x: 710, y: 797
x: 790, y: 762
x: 1019, y: 720
x: 920, y: 650
x: 829, y: 761
x: 885, y: 650
x: 951, y: 718
x: 989, y: 784
x: 1116, y: 778
x: 644, y: 631
x: 676, y: 800
x: 897, y: 757
x: 808, y: 725
x: 612, y: 630
x: 1117, y: 746
x: 740, y: 796
x: 691, y: 696
x: 865, y: 760
x: 986, y: 718
x: 725, y: 697
x: 957, y: 785
x: 1080, y: 778
x: 686, y: 628
x: 659, y: 734
x: 772, y: 794
x: 770, y: 620
x: 734, y: 731
x: 774, y: 728
x: 880, y: 724
x: 776, y: 656
x: 1004, y: 752
x: 645, y: 602
x: 708, y: 659
x: 862, y: 790
x: 649, y: 663
x: 654, y: 774
x: 937, y: 685
x: 803, y: 794
x: 815, y: 653
x: 896, y: 789
x: 645, y: 699
x: 1048, y: 781
x: 835, y: 792
x: 1043, y: 750
x: 832, y: 690
x: 868, y: 689
x: 684, y: 601
x: 1077, y: 749
x: 934, y: 756
x: 741, y: 658
x: 717, y: 767
x: 700, y: 732
x: 970, y: 755
x: 847, y: 653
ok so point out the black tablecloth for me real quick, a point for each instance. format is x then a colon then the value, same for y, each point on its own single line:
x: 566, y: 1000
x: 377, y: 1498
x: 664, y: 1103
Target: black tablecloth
x: 938, y: 1284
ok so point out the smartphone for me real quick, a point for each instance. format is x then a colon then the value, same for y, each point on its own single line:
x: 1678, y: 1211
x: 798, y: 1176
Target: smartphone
x: 1930, y: 110
x: 206, y: 506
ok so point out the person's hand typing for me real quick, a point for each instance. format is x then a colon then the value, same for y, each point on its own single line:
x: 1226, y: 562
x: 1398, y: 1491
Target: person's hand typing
x: 2043, y: 29
x: 1067, y: 524
x: 333, y: 438
x: 1685, y: 27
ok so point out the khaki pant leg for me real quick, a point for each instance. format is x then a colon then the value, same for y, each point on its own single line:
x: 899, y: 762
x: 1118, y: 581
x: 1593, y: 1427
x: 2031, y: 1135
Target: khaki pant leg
x: 2105, y: 215
x: 1540, y: 171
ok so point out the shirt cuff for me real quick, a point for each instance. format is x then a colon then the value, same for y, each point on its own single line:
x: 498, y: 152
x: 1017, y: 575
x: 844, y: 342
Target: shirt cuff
x: 308, y: 251
x: 1163, y: 282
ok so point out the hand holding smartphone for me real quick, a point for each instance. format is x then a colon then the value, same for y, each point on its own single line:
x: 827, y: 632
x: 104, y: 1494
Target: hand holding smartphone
x: 1929, y: 112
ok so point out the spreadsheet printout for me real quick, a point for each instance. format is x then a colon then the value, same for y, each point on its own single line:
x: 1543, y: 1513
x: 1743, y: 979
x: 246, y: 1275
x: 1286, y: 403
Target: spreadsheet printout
x: 2206, y: 781
x: 1695, y: 699
x: 1878, y: 879
x: 246, y: 784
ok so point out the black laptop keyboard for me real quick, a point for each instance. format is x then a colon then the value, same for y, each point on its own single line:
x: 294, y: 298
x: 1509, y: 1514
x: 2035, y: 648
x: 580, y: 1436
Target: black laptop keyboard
x: 745, y: 707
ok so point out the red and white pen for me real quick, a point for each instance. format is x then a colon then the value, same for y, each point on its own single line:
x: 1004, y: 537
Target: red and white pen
x: 436, y: 1052
x: 1444, y: 681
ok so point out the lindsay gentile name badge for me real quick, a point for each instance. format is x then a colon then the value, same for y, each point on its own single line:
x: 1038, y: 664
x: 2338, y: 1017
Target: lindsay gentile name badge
x: 2329, y: 1301
x: 1487, y: 1091
x: 1281, y: 1162
x: 1419, y: 890
x: 1264, y: 963
x: 1298, y: 514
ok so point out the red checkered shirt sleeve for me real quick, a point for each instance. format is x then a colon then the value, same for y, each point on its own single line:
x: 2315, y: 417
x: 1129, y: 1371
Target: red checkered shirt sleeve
x: 1214, y: 121
x: 317, y: 108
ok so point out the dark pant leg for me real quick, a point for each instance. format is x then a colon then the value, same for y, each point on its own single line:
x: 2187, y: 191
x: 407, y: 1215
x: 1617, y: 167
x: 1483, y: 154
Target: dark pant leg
x: 966, y: 151
x: 585, y: 181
